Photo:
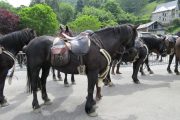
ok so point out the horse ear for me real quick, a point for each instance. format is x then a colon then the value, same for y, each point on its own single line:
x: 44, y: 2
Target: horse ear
x: 67, y: 28
x: 136, y: 26
x: 60, y: 27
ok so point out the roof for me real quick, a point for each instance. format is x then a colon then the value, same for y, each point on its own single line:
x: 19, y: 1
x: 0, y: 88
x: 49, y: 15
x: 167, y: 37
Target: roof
x: 146, y: 25
x: 166, y: 6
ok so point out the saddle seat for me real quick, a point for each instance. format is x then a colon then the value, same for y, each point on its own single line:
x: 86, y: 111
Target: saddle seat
x: 80, y: 44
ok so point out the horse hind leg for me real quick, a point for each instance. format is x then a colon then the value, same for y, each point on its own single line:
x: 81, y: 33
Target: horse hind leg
x: 59, y: 75
x: 176, y: 66
x: 169, y: 64
x: 33, y: 79
x: 72, y: 79
x: 66, y: 84
x: 3, y: 101
x: 54, y: 76
x: 45, y: 73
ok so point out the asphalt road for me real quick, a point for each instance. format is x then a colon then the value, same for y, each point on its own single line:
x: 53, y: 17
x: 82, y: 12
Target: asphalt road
x: 156, y: 98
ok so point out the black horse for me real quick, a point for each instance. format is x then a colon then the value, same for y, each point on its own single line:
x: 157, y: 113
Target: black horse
x: 156, y: 45
x: 171, y: 41
x: 12, y: 43
x: 95, y: 59
x: 68, y: 32
x: 135, y: 55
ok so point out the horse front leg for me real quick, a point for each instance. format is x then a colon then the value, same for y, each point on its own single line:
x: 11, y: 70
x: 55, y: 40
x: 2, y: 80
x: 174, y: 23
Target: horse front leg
x: 92, y: 79
x: 54, y: 76
x: 169, y: 64
x: 72, y: 79
x: 3, y: 101
x: 141, y: 69
x: 98, y: 92
x: 66, y: 84
x: 45, y: 73
x: 176, y: 66
x: 148, y: 68
x: 59, y: 75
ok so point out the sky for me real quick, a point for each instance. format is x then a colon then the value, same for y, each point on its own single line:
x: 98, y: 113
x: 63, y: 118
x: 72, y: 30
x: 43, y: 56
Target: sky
x: 17, y: 3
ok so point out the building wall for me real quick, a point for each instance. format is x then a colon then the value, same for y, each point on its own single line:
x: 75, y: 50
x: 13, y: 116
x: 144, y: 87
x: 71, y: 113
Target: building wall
x: 166, y: 17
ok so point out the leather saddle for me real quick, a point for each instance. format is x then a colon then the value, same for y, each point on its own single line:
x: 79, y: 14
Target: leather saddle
x: 78, y: 45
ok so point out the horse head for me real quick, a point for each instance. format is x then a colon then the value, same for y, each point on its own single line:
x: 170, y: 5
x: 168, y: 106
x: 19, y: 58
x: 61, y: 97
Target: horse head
x: 66, y: 31
x: 163, y: 47
x: 29, y: 34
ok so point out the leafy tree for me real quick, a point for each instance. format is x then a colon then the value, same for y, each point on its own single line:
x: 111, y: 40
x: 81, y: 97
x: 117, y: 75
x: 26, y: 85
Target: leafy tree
x: 94, y: 3
x: 79, y: 6
x: 85, y: 22
x: 105, y: 17
x: 66, y: 12
x: 39, y: 17
x: 132, y: 6
x: 7, y: 6
x: 8, y: 21
x: 120, y: 15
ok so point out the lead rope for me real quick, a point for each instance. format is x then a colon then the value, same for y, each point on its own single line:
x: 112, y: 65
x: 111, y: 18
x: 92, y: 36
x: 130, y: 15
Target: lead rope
x: 13, y: 68
x: 103, y: 75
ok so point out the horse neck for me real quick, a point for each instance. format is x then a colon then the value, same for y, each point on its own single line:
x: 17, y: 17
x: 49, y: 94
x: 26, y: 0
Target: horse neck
x: 152, y: 43
x: 109, y: 41
x: 13, y: 47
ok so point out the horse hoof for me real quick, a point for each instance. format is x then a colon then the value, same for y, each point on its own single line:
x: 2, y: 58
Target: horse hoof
x: 37, y: 110
x: 4, y: 104
x: 177, y: 73
x: 48, y: 102
x: 66, y: 85
x: 95, y: 106
x: 93, y: 114
x: 118, y: 73
x: 98, y: 98
x: 113, y: 73
x: 60, y: 79
x: 111, y: 84
x: 151, y: 72
x: 169, y: 71
x: 73, y: 83
x: 136, y: 81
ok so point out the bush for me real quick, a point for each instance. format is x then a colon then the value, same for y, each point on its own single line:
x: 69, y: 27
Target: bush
x: 85, y: 22
x: 39, y: 17
x: 8, y: 21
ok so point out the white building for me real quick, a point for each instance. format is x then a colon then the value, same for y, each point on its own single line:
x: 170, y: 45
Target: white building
x: 166, y: 12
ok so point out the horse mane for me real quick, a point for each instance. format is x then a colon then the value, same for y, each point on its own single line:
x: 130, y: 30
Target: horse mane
x: 16, y: 40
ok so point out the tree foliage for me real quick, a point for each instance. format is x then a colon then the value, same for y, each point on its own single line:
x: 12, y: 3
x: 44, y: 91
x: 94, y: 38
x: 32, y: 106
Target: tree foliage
x: 85, y: 22
x: 7, y: 6
x: 105, y: 17
x: 66, y: 13
x: 39, y: 17
x: 8, y: 21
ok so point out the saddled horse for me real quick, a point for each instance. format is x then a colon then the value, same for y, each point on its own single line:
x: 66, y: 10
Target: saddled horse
x: 94, y: 59
x: 12, y: 43
x: 156, y: 45
x: 68, y: 32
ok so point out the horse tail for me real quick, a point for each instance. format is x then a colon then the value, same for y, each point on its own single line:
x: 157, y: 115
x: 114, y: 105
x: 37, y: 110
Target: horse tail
x: 29, y: 88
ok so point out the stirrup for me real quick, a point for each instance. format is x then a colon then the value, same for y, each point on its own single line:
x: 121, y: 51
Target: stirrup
x: 81, y: 69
